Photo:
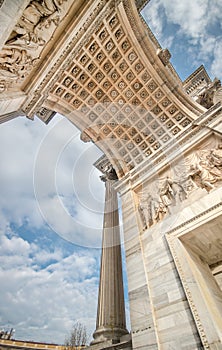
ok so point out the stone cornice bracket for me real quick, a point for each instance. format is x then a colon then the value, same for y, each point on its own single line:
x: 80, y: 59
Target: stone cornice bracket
x: 164, y: 56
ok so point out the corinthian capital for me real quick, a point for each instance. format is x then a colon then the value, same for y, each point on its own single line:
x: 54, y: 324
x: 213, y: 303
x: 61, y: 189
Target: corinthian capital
x: 109, y: 173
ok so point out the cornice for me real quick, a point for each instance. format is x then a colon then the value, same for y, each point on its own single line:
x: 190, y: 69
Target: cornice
x: 150, y: 45
x: 187, y: 223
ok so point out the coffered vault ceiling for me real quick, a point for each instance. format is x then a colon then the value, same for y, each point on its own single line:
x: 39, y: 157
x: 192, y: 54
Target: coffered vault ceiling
x: 114, y: 82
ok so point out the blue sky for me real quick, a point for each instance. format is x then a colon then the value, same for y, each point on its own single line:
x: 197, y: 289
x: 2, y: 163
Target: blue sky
x: 51, y: 216
x: 191, y: 30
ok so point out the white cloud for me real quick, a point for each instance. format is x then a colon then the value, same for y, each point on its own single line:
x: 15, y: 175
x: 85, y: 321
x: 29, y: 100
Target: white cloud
x: 46, y: 290
x: 43, y: 303
x: 190, y: 15
x: 216, y: 66
x: 197, y: 32
x: 46, y: 177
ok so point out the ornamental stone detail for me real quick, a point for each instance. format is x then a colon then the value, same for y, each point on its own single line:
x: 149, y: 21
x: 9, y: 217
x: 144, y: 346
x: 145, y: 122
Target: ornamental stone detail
x: 200, y: 170
x: 23, y: 48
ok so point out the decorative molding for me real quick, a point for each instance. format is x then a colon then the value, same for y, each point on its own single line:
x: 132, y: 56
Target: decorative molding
x: 172, y: 245
x: 169, y: 76
x: 45, y: 114
x: 164, y: 55
x: 196, y: 217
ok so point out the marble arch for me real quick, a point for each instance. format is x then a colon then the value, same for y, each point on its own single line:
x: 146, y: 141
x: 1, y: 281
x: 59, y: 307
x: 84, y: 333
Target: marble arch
x: 99, y: 64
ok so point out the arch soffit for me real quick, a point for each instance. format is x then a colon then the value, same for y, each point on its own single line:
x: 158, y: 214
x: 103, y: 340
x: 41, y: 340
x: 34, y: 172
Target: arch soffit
x: 120, y: 92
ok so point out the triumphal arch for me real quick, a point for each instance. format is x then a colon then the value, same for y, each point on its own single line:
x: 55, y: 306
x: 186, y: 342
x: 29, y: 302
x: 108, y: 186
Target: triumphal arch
x: 97, y: 63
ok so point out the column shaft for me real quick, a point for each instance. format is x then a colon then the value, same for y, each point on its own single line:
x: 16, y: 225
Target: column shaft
x: 111, y: 322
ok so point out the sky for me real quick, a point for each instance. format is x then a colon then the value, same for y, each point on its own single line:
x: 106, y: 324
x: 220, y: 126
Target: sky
x: 51, y: 197
x: 191, y: 30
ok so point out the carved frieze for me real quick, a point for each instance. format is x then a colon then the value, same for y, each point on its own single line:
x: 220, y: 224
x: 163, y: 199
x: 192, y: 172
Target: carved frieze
x: 164, y: 55
x: 202, y: 169
x: 23, y: 48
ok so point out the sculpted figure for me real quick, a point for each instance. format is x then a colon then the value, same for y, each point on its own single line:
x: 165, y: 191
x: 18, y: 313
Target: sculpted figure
x: 28, y: 36
x: 206, y: 172
x: 215, y: 156
x: 166, y: 193
x: 26, y: 39
x: 144, y: 210
x: 206, y: 99
x: 14, y: 62
x: 151, y: 210
x: 159, y: 210
x: 38, y: 14
x: 48, y: 11
x: 172, y: 192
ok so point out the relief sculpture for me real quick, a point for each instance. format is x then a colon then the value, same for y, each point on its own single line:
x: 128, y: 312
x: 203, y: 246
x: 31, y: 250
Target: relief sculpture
x: 208, y: 169
x: 151, y: 210
x: 31, y: 33
x: 202, y: 170
x: 14, y: 63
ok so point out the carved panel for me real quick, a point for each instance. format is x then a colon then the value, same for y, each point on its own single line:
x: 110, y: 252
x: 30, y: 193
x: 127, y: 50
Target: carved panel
x: 32, y: 32
x: 199, y: 171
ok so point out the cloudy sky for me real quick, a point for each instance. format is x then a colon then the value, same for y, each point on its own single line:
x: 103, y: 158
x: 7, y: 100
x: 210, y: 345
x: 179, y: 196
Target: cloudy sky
x: 191, y: 30
x: 51, y: 201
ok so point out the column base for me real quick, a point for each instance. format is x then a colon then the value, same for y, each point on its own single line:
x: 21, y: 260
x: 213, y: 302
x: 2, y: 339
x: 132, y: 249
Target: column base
x: 125, y: 342
x: 104, y: 334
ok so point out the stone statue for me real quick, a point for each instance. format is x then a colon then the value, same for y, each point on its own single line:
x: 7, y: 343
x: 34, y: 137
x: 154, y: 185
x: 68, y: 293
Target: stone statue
x: 174, y: 191
x: 158, y: 210
x: 206, y: 99
x: 166, y: 193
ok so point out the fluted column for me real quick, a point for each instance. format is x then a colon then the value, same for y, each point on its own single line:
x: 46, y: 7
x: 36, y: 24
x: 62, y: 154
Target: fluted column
x: 111, y: 322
